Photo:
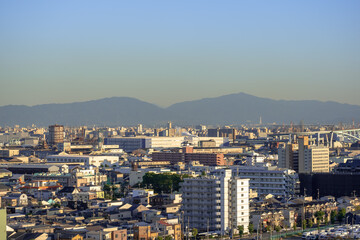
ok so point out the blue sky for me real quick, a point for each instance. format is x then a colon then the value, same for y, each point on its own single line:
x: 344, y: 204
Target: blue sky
x: 170, y: 51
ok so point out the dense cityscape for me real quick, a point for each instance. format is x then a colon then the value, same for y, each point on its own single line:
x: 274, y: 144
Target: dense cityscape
x: 259, y: 181
x: 179, y: 120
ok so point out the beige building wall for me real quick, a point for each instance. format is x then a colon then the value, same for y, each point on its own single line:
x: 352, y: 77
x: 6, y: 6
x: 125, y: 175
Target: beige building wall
x: 312, y: 158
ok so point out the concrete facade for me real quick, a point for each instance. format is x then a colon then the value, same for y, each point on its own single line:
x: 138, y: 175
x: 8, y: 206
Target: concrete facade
x: 216, y: 203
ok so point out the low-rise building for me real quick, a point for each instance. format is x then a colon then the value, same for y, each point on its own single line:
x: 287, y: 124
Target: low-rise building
x: 87, y: 160
x: 270, y: 180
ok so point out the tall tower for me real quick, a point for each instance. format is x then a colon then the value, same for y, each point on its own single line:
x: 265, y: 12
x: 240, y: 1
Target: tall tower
x: 56, y: 134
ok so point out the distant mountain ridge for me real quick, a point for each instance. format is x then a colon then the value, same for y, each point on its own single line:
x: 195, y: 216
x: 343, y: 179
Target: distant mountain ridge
x: 228, y: 109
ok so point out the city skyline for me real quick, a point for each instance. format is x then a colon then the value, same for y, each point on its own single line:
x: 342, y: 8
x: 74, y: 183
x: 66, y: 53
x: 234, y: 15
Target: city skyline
x: 165, y: 52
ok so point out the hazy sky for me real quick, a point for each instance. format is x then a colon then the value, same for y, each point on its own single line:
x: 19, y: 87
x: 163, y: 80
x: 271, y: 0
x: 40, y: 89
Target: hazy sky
x: 169, y: 51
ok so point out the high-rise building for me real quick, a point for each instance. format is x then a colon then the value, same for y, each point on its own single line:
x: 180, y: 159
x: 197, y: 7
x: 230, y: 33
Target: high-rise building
x: 303, y: 157
x: 219, y: 202
x: 312, y: 158
x: 139, y: 128
x: 288, y: 157
x: 56, y: 134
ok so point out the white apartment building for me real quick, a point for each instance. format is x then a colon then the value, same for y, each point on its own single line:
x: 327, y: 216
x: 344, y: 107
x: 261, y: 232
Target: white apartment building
x: 255, y: 159
x: 269, y: 180
x: 217, y: 203
x: 86, y: 160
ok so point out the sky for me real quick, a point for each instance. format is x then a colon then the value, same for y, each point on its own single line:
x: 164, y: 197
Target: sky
x: 165, y: 52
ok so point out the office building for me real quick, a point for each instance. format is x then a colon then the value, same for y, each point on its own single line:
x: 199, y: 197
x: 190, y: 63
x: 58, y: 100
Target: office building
x: 312, y: 158
x: 303, y: 157
x: 218, y: 202
x: 223, y: 132
x: 187, y: 156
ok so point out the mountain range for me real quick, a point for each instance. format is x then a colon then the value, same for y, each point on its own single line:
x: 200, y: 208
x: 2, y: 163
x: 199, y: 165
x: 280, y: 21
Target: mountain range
x: 230, y: 109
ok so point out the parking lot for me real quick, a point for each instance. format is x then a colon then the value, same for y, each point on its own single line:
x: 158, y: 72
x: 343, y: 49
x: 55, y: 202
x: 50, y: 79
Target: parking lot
x: 337, y: 232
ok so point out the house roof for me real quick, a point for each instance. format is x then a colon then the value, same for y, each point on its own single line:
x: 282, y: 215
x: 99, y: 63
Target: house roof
x: 67, y: 190
x: 25, y: 236
x: 4, y: 187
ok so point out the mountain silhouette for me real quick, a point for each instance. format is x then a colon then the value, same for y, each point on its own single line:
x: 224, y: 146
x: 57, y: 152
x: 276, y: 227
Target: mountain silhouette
x: 235, y: 109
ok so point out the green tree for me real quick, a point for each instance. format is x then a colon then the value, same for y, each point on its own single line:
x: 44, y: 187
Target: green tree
x: 319, y: 216
x: 194, y: 232
x: 251, y: 228
x: 163, y: 182
x: 310, y: 223
x: 341, y: 214
x: 159, y: 238
x: 326, y: 221
x: 277, y: 228
x: 303, y: 224
x: 333, y: 217
x: 57, y: 205
x: 241, y: 230
x: 107, y: 188
x: 168, y: 237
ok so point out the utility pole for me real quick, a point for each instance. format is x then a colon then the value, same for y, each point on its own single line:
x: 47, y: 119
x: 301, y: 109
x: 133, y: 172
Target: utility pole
x: 188, y: 225
x: 207, y: 234
x: 182, y: 224
x: 303, y: 211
